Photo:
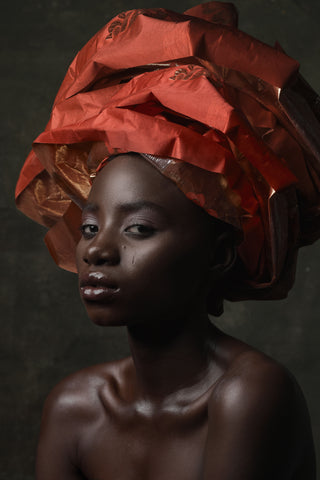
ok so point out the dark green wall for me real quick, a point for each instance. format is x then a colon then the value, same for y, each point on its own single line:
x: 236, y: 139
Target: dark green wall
x: 45, y: 334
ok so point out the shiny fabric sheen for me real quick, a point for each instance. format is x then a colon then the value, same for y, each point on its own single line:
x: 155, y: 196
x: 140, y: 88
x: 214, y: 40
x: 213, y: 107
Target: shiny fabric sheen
x: 218, y: 112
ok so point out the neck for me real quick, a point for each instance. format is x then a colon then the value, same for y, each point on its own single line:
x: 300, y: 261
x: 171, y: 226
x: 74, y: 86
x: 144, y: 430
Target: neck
x: 168, y: 359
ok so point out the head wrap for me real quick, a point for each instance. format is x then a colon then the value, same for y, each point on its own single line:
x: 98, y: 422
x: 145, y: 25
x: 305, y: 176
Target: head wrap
x: 225, y: 116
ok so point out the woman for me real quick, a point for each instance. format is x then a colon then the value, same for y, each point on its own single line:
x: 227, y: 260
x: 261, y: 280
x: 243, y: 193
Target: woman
x: 203, y: 107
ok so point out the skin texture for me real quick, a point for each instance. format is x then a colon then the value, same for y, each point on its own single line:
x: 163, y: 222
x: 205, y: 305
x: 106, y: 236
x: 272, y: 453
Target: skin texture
x: 191, y: 402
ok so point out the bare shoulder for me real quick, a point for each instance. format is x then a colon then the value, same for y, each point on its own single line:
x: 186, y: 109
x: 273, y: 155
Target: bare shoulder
x: 257, y: 388
x: 73, y: 410
x: 258, y: 409
x: 250, y: 373
x: 255, y: 375
x: 79, y: 395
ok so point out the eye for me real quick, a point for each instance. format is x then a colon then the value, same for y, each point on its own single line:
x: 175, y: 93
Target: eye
x: 140, y: 230
x: 88, y: 230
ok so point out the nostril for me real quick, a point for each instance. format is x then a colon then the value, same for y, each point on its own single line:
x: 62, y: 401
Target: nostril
x: 101, y: 254
x: 102, y: 261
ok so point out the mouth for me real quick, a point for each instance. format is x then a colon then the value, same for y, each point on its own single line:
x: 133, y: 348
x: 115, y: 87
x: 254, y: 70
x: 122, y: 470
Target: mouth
x: 96, y: 287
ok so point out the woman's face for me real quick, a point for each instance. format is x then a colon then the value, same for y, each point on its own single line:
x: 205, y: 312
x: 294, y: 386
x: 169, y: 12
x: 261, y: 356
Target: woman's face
x: 145, y: 248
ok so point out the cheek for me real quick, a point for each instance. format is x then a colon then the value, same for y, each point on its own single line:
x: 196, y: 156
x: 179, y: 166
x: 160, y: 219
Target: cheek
x: 165, y: 271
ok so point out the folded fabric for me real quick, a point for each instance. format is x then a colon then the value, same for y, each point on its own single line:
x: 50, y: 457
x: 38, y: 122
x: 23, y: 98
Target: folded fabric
x: 225, y: 116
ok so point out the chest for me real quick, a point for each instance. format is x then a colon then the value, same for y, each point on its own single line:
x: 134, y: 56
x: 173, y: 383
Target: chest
x: 146, y: 449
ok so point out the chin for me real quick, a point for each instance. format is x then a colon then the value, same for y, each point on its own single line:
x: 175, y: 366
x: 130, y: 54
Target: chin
x: 105, y: 317
x: 105, y: 321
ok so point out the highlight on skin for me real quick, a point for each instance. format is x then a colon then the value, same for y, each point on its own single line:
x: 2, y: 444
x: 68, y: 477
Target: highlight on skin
x: 189, y: 397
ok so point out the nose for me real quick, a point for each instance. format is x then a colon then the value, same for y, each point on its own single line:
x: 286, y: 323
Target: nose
x: 101, y: 250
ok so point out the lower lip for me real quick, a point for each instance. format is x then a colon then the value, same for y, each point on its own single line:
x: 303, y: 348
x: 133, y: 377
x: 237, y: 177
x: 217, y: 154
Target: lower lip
x: 98, y: 294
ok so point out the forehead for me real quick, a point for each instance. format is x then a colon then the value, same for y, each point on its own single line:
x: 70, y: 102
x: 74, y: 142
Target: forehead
x: 130, y: 179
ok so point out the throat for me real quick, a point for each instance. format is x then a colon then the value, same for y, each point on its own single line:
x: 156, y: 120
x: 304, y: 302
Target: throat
x: 167, y: 363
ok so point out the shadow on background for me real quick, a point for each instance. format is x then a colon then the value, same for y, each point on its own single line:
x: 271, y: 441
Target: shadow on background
x: 45, y: 334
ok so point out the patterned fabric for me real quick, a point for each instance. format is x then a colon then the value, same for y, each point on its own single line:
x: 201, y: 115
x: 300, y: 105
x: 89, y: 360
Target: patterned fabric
x: 224, y: 116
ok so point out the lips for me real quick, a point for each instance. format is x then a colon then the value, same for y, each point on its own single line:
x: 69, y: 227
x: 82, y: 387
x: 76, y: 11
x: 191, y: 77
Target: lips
x: 97, y: 287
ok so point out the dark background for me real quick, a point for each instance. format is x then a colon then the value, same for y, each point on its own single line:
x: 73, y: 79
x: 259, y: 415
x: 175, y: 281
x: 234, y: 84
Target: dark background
x: 45, y: 334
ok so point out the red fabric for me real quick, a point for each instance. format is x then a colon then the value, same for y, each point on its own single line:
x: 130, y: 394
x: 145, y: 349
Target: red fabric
x: 204, y: 95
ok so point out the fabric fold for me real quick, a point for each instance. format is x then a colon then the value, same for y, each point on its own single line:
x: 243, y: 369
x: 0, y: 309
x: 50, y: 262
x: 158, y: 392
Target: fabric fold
x: 223, y: 115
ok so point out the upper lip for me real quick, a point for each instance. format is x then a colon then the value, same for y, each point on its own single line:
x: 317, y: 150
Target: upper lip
x: 97, y: 279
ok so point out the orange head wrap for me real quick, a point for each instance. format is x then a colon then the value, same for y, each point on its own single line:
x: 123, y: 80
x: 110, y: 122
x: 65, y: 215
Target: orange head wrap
x: 223, y: 115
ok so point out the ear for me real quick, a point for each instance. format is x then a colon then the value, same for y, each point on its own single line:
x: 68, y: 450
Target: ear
x: 223, y: 254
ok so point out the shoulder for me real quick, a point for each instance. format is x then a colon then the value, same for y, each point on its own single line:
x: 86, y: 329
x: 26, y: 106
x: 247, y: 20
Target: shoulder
x: 250, y: 376
x: 257, y: 389
x: 253, y: 376
x: 77, y: 398
x: 258, y: 411
x: 73, y: 412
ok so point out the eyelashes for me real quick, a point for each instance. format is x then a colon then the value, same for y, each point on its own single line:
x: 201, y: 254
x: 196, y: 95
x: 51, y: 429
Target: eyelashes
x: 140, y: 229
x: 89, y: 230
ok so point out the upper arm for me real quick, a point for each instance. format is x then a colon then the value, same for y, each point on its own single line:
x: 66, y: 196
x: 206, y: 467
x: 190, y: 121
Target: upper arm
x: 57, y: 446
x: 256, y: 425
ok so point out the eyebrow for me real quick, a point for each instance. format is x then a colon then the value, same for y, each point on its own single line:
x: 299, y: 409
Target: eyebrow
x: 129, y: 207
x: 90, y: 207
x: 140, y: 205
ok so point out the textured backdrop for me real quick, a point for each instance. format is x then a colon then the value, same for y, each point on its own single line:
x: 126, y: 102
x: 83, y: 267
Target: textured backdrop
x: 45, y: 334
